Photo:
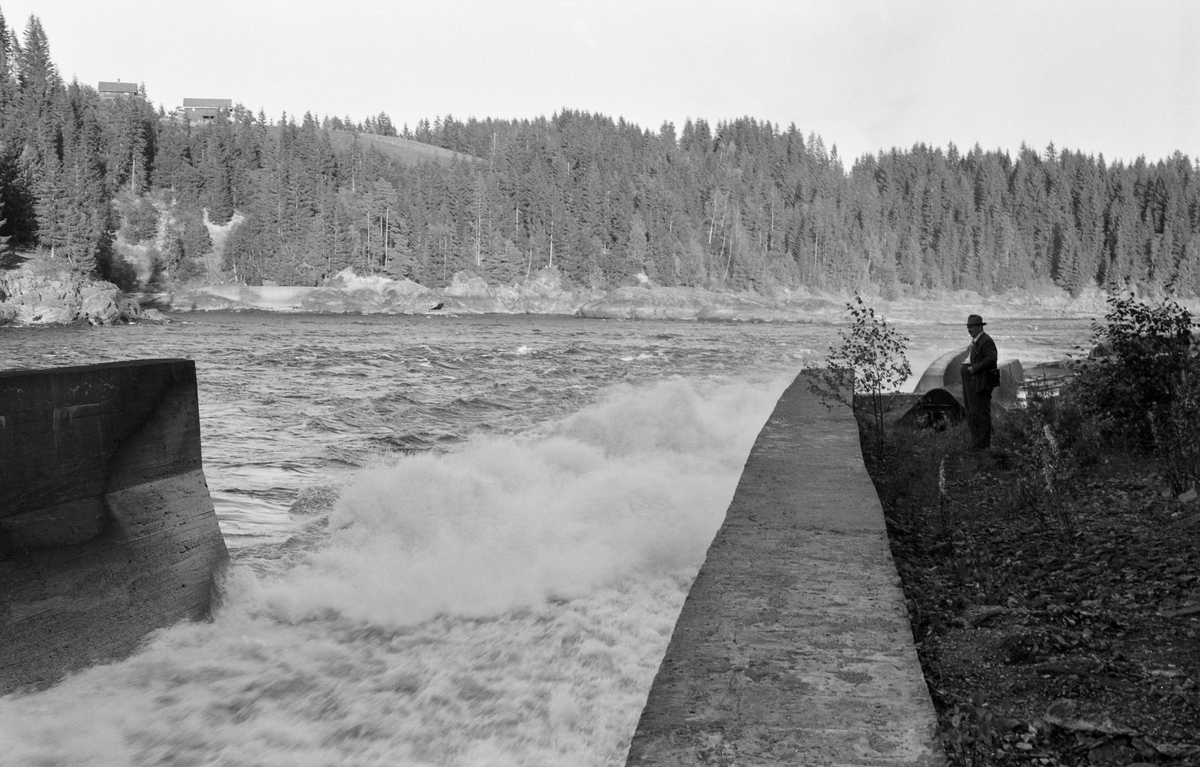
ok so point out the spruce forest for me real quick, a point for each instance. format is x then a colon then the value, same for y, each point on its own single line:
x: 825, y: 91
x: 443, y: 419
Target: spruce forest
x: 740, y: 205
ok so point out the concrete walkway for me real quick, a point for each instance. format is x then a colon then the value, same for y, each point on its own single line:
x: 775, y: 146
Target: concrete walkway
x: 794, y: 646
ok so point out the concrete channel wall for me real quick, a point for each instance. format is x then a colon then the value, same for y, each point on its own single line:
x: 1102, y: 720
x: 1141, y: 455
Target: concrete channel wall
x: 107, y: 530
x: 793, y: 646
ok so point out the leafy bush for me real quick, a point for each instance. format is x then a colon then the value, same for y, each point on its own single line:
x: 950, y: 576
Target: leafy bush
x: 1140, y: 386
x: 869, y: 362
x: 1140, y: 352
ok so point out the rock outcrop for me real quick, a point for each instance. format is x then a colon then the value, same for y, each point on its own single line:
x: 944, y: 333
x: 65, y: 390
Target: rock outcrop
x: 48, y: 292
x: 542, y: 293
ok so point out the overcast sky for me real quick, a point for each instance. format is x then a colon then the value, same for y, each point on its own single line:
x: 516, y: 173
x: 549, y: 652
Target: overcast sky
x: 1117, y: 77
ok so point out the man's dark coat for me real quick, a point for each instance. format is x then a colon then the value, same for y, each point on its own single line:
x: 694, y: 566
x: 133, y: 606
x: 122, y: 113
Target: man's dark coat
x: 981, y: 360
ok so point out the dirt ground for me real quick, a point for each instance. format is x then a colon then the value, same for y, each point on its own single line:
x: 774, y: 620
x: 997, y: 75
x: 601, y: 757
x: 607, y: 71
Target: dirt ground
x: 1057, y: 616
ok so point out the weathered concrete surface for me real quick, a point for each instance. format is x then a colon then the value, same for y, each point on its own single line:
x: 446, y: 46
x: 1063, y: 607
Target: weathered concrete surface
x: 793, y: 646
x: 944, y: 372
x: 107, y: 530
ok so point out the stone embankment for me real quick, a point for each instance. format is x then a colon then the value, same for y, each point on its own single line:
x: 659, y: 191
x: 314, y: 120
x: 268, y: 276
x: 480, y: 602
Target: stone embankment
x: 107, y: 530
x: 793, y: 646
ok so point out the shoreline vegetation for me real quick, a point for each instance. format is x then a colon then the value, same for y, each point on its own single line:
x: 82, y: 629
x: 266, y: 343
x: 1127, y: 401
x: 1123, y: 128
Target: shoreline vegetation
x: 1053, y: 580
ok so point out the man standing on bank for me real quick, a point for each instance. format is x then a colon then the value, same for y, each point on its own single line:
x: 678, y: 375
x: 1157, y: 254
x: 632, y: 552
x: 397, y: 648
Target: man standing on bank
x: 979, y: 377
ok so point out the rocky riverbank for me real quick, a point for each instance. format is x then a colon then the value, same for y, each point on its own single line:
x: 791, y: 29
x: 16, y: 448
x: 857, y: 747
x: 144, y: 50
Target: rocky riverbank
x: 545, y: 293
x: 45, y: 292
x: 41, y: 293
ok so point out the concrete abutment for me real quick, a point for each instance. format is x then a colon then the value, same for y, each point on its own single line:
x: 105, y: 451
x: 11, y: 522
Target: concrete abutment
x: 794, y: 646
x: 107, y: 530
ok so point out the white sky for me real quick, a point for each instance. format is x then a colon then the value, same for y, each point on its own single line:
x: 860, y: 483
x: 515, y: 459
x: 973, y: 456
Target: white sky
x: 1113, y: 76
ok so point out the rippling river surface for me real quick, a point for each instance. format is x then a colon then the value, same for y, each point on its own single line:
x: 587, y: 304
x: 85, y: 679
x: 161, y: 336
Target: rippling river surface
x: 455, y: 540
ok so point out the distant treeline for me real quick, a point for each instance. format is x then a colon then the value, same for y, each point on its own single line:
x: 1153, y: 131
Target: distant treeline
x: 742, y: 205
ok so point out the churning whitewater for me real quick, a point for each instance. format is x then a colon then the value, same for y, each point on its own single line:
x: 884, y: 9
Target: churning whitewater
x: 503, y: 603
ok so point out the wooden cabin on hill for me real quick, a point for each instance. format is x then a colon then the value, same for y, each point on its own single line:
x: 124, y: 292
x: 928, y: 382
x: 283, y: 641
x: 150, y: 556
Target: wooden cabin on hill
x: 205, y: 110
x: 118, y: 90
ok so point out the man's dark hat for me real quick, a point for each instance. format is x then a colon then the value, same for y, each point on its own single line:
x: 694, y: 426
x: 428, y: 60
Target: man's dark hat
x: 975, y: 319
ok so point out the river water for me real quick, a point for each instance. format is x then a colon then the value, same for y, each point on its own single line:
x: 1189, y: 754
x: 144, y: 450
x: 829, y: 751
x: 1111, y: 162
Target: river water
x: 455, y: 540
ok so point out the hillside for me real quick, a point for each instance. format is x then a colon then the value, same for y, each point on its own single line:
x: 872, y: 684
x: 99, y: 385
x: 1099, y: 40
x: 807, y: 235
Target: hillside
x: 404, y: 151
x: 743, y: 206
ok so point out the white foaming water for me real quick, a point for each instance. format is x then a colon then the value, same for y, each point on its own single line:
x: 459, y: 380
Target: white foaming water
x: 503, y: 604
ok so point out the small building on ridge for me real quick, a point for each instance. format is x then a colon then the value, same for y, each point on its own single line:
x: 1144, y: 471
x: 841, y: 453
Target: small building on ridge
x: 205, y: 110
x: 117, y: 90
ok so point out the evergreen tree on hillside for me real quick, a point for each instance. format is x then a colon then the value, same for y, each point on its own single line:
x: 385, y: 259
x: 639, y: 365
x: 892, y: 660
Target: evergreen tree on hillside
x: 129, y: 126
x: 39, y: 102
x: 247, y: 152
x: 10, y: 136
x: 30, y: 91
x: 8, y: 84
x: 74, y: 206
x: 384, y: 126
x: 39, y: 87
x: 173, y: 161
x: 216, y: 166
